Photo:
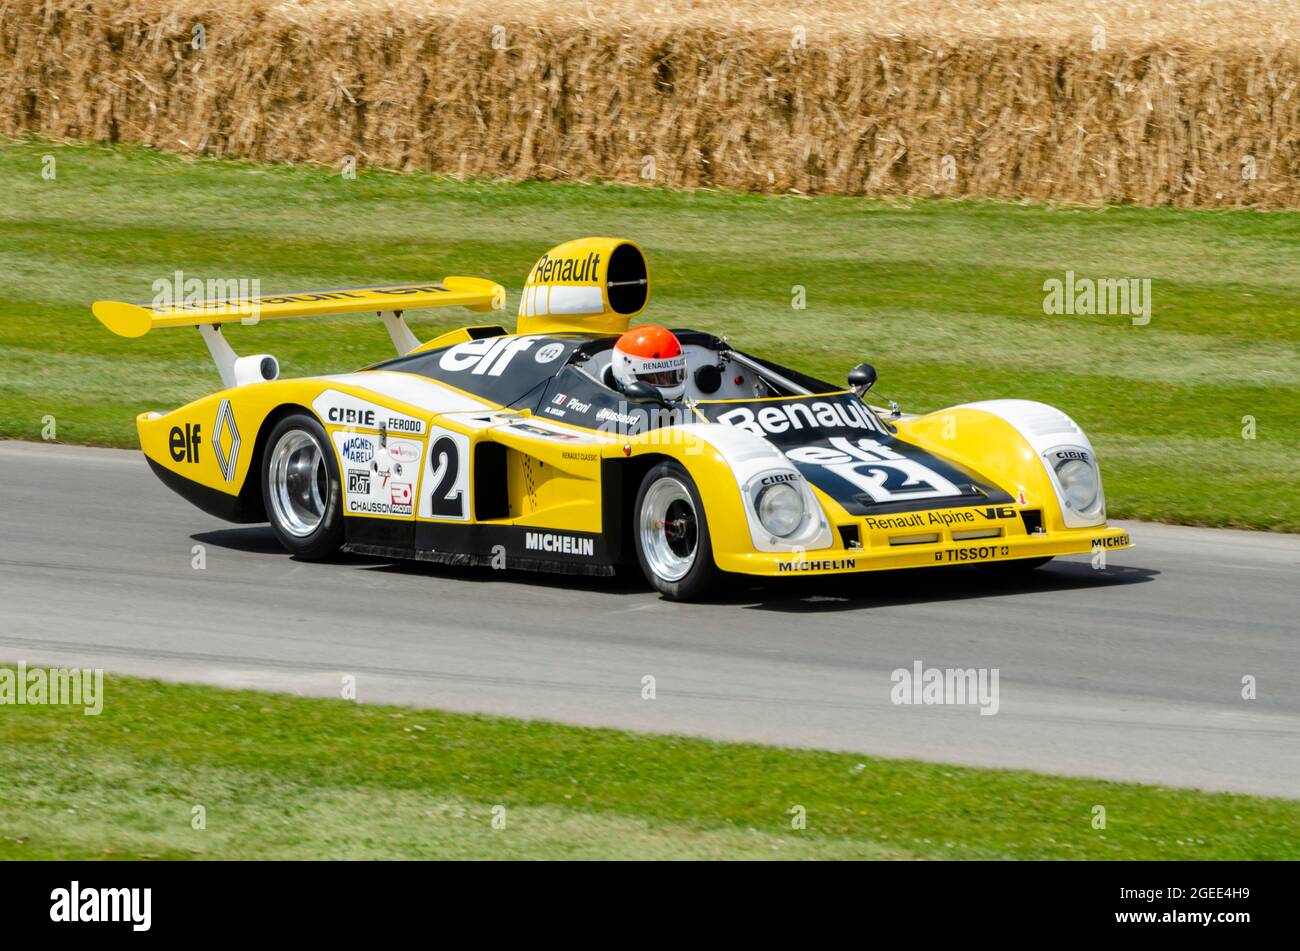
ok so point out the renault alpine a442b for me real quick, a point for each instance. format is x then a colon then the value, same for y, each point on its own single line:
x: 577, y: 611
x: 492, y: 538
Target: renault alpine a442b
x: 581, y: 444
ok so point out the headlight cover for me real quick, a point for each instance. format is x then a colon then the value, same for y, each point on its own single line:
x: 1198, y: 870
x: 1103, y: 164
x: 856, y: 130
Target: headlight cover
x: 780, y: 509
x: 1079, y: 482
x: 783, y: 521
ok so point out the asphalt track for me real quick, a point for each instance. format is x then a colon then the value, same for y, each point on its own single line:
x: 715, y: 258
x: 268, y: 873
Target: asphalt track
x: 1130, y: 672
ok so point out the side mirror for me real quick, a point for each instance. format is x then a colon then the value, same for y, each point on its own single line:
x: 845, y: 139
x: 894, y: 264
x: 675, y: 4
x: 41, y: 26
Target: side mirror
x: 640, y: 392
x: 862, y: 378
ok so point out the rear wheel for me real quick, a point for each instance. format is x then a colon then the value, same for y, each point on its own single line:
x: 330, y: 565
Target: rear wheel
x: 672, y: 534
x: 300, y: 487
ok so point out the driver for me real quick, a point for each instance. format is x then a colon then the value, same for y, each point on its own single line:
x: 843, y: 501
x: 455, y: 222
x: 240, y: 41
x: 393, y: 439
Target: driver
x: 653, y: 355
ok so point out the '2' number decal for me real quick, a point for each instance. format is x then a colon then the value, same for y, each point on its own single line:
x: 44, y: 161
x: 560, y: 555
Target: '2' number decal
x: 447, y: 500
x: 444, y: 487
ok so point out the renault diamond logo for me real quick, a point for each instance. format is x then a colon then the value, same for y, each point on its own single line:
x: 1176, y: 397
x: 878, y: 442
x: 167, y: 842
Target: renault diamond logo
x: 226, y: 421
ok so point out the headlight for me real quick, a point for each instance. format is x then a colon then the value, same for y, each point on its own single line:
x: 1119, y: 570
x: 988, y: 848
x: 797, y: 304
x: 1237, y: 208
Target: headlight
x: 780, y: 509
x: 1079, y: 482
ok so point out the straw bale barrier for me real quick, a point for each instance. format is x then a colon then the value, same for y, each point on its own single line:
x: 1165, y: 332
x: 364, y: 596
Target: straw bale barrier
x: 1152, y: 102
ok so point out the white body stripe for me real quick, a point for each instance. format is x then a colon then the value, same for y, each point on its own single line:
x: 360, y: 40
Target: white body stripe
x: 412, y: 389
x: 568, y: 299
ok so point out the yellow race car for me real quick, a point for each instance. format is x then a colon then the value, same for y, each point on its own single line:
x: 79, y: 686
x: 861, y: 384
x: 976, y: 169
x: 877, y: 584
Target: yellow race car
x: 518, y: 450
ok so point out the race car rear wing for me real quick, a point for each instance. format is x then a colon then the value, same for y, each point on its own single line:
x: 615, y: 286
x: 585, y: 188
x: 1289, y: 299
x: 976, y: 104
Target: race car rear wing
x: 389, y: 302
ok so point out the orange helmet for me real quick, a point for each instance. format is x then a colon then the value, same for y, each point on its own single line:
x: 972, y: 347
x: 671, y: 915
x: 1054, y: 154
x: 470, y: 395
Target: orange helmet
x: 652, y: 355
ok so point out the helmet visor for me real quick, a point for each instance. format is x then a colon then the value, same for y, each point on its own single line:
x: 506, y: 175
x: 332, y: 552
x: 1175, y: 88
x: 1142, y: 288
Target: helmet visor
x: 673, y: 377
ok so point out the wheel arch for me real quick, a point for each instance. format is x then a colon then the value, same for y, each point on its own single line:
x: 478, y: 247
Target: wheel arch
x: 250, y: 493
x: 621, y: 479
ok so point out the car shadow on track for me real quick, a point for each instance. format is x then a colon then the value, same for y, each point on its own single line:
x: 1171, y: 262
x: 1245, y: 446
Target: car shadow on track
x: 933, y: 585
x: 255, y: 539
x: 795, y: 595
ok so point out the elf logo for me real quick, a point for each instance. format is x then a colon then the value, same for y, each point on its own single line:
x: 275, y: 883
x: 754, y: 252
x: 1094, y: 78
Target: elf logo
x: 184, y: 445
x: 489, y: 356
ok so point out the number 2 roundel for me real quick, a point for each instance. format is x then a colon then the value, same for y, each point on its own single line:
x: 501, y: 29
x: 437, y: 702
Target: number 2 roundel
x: 444, y: 488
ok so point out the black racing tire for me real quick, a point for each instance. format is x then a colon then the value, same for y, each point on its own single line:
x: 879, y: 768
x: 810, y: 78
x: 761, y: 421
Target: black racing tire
x: 301, y: 488
x: 671, y: 533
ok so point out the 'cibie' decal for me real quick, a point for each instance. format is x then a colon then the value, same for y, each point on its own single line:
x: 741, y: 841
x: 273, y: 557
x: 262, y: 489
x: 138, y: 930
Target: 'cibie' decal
x: 875, y: 469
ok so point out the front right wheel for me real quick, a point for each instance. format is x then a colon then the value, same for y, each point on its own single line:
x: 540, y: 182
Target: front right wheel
x: 672, y: 534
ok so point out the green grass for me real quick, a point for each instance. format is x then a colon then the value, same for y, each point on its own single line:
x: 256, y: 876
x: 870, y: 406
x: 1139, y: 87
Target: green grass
x: 286, y: 777
x: 945, y: 298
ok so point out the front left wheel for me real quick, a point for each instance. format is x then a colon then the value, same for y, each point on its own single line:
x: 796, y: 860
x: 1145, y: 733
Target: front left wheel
x: 672, y: 535
x: 301, y: 489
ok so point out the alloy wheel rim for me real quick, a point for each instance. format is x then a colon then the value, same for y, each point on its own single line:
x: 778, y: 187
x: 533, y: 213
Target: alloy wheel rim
x: 669, y: 529
x: 299, y: 482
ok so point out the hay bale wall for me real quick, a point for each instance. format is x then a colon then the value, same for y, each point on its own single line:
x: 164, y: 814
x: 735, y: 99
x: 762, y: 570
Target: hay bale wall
x: 1155, y: 103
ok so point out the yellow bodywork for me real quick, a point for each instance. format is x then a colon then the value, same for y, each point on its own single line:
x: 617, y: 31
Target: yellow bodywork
x: 593, y: 286
x: 557, y: 486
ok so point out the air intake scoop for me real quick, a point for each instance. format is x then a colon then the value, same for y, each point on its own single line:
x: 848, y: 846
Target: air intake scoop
x: 591, y: 285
